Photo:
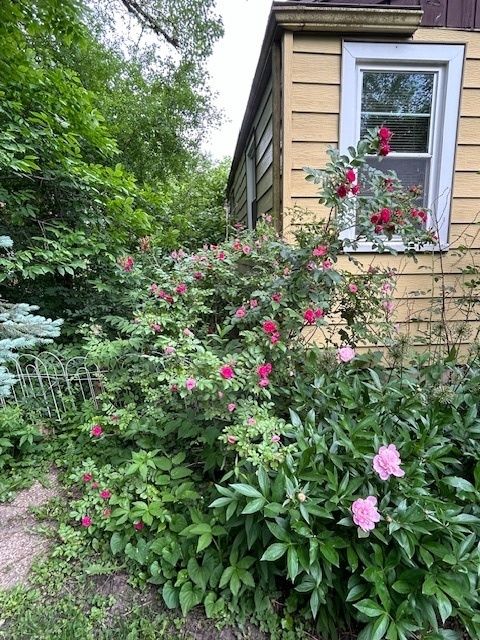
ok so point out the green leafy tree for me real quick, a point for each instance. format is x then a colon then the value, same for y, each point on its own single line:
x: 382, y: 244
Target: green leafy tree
x: 69, y: 207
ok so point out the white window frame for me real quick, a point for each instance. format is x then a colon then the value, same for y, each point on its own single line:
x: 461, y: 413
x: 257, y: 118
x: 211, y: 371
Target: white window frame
x: 251, y: 170
x: 446, y: 61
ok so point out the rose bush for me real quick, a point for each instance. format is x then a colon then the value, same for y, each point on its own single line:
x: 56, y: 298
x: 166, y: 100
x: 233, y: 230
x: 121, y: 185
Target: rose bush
x: 246, y: 454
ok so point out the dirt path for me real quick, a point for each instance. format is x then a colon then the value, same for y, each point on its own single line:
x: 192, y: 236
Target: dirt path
x: 20, y: 546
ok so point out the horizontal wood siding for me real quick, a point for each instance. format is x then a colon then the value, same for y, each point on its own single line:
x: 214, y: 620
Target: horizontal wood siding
x: 263, y: 125
x: 315, y: 105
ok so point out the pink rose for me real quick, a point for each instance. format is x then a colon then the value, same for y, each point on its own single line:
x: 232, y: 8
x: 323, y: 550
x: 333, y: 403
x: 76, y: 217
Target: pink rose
x: 320, y: 250
x: 365, y: 513
x: 168, y: 351
x: 240, y: 313
x: 388, y: 305
x: 264, y: 382
x: 227, y: 372
x: 221, y: 255
x: 96, y: 431
x: 237, y: 245
x: 106, y: 513
x: 345, y: 354
x: 246, y: 249
x: 387, y: 462
x: 319, y: 313
x: 311, y: 266
x: 231, y: 407
x: 352, y: 288
x: 156, y: 328
x: 181, y: 288
x: 276, y: 297
x: 232, y: 439
x: 87, y: 477
x: 95, y: 485
x: 86, y: 521
x: 251, y: 422
x: 198, y: 275
x: 327, y: 264
x: 174, y: 388
x: 276, y: 438
x: 264, y: 370
x: 138, y: 526
x: 190, y: 383
x: 309, y: 316
x: 253, y: 304
x: 188, y: 333
x: 105, y: 494
x: 269, y: 326
x: 127, y: 263
x: 275, y: 337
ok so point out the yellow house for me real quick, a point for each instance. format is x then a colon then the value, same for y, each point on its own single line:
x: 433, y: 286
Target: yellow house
x: 328, y: 70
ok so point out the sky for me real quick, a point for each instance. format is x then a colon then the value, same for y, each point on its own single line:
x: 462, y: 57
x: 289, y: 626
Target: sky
x: 232, y: 67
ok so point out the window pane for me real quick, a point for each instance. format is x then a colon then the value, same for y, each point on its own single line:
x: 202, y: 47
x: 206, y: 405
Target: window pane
x: 403, y: 102
x: 411, y: 172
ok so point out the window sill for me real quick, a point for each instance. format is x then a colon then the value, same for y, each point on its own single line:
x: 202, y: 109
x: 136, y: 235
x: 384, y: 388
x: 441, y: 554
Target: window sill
x: 398, y: 247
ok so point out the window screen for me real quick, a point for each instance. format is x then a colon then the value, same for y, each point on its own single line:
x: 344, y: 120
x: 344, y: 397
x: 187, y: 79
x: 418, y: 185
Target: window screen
x: 403, y: 101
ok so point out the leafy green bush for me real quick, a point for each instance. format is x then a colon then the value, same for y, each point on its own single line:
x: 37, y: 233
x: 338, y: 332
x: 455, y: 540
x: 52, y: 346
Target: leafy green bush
x: 239, y: 454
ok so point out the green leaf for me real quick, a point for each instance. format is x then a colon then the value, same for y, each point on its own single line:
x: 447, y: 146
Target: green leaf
x: 190, y: 596
x: 235, y: 583
x: 200, y: 529
x: 170, y: 595
x: 116, y: 543
x: 274, y: 551
x: 330, y: 553
x: 370, y: 608
x: 246, y: 490
x: 278, y: 531
x: 429, y: 586
x: 380, y: 627
x: 220, y: 502
x: 204, y: 541
x: 254, y: 506
x: 459, y: 483
x: 444, y: 605
x: 292, y: 563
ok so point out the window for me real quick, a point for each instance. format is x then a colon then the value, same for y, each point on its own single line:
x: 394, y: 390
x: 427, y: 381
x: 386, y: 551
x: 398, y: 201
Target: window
x: 251, y: 185
x: 414, y: 89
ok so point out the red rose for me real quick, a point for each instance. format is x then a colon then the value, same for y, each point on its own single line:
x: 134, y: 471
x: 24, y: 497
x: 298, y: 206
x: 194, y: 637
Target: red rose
x: 385, y: 215
x: 375, y: 219
x: 384, y: 134
x: 350, y: 175
x: 342, y: 191
x: 384, y: 149
x: 356, y: 189
x: 378, y: 228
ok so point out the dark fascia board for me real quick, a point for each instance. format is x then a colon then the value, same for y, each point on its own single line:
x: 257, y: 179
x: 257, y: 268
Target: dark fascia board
x: 315, y: 17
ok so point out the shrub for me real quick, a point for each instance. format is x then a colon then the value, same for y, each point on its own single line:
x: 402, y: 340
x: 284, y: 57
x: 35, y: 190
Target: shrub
x: 240, y: 427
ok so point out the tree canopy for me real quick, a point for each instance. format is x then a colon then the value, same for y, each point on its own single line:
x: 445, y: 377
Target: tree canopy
x: 96, y: 136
